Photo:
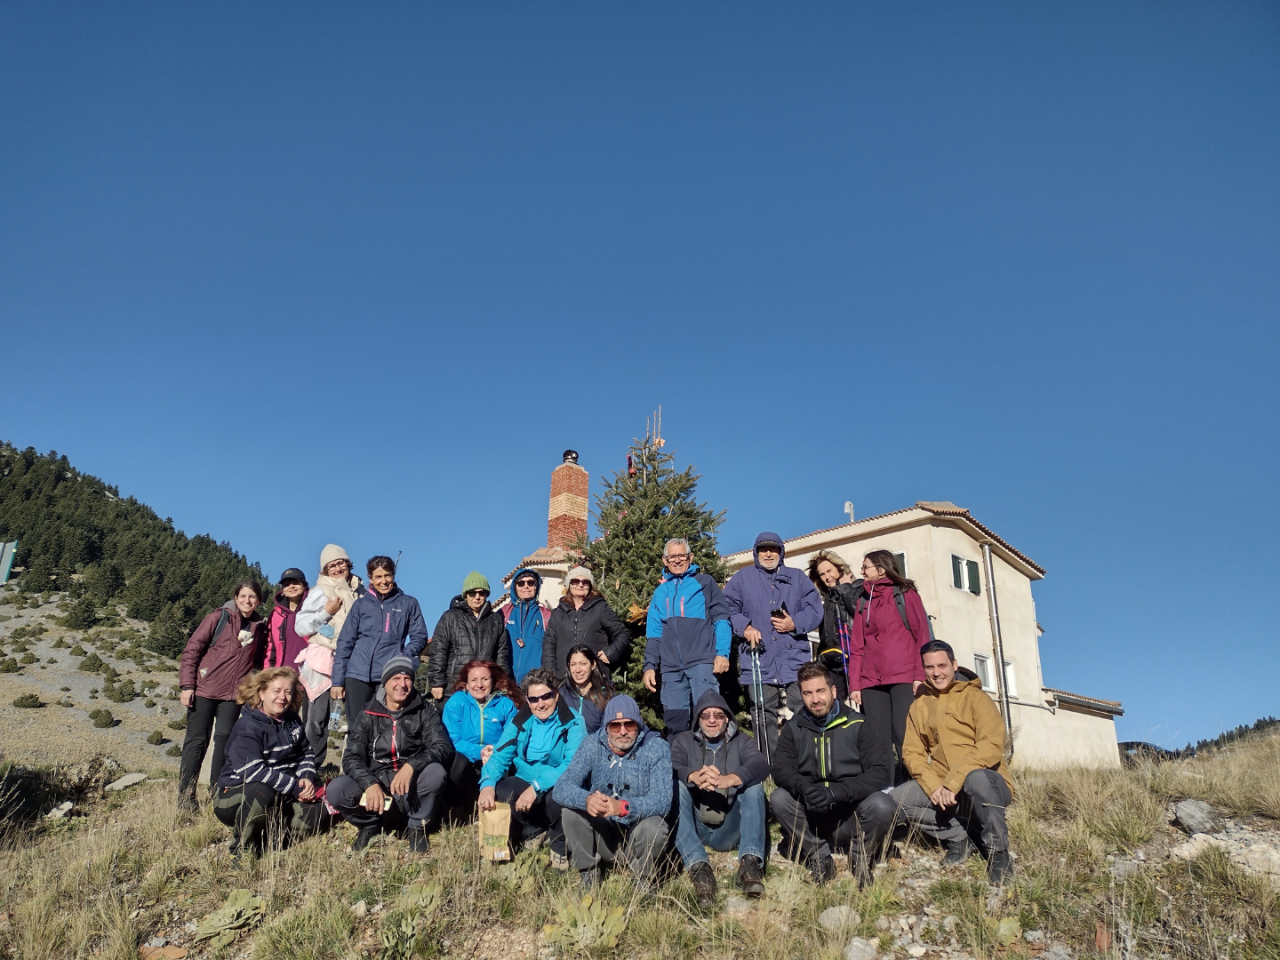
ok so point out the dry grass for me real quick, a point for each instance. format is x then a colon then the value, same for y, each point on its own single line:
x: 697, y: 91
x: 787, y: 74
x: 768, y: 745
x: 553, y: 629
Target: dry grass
x: 100, y: 885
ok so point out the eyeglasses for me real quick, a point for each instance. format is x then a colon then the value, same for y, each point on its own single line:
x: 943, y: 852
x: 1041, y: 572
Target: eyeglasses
x: 713, y: 715
x: 477, y: 593
x: 526, y: 583
x: 542, y: 699
x: 617, y: 726
x: 579, y: 583
x: 677, y: 557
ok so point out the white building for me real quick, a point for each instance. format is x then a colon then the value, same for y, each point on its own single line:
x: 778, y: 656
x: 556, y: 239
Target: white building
x: 953, y: 558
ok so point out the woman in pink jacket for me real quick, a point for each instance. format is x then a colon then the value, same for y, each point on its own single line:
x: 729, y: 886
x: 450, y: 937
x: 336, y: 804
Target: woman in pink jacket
x: 889, y: 627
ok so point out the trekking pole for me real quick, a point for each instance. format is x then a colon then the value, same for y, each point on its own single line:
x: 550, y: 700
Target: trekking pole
x: 757, y: 694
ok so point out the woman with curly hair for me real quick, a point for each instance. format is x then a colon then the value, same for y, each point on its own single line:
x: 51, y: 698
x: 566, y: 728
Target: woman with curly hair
x: 484, y: 698
x: 269, y: 765
x: 834, y: 580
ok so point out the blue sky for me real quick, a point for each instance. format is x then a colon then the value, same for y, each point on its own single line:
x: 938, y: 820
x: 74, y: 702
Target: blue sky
x: 294, y: 273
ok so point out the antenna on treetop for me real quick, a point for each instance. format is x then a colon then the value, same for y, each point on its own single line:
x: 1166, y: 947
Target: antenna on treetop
x: 657, y: 430
x: 398, y: 556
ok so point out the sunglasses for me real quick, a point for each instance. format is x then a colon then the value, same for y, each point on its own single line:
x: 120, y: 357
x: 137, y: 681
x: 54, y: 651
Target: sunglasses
x: 713, y: 715
x: 677, y: 557
x: 541, y: 699
x: 617, y: 726
x: 579, y: 583
x: 526, y: 583
x: 477, y: 593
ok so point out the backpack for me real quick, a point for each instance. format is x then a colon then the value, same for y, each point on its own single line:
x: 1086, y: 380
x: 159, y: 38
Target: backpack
x: 898, y: 601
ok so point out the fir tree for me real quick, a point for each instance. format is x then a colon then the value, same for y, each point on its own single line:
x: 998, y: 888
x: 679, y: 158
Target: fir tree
x: 642, y: 507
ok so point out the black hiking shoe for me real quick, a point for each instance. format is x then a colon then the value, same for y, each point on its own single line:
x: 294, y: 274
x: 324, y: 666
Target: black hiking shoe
x: 419, y: 842
x: 958, y: 851
x: 187, y: 804
x: 364, y: 838
x: 704, y: 883
x: 1000, y: 867
x: 589, y: 879
x: 822, y: 869
x: 751, y: 877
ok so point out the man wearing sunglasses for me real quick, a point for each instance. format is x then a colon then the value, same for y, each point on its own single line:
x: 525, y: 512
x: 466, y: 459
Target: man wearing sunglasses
x: 720, y: 775
x: 616, y: 798
x: 469, y: 630
x: 688, y: 636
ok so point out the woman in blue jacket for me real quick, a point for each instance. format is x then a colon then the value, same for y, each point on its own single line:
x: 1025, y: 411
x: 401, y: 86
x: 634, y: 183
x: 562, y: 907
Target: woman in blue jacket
x: 475, y: 714
x: 535, y: 749
x: 383, y: 623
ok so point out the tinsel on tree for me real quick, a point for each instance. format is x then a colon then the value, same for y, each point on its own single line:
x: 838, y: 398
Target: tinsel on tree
x: 643, y: 506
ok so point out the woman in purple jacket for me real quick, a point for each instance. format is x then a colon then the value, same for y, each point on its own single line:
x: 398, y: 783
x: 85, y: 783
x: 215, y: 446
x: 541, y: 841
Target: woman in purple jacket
x: 889, y: 627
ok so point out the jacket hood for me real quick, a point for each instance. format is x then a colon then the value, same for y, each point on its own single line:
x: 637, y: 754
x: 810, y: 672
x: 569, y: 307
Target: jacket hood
x: 257, y: 717
x: 516, y: 601
x: 961, y: 682
x: 708, y: 700
x: 231, y: 606
x: 769, y: 537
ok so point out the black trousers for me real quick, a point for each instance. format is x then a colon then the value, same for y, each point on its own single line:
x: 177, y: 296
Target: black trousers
x: 543, y: 815
x: 246, y: 809
x: 885, y: 709
x: 463, y: 789
x: 203, y: 717
x: 359, y: 695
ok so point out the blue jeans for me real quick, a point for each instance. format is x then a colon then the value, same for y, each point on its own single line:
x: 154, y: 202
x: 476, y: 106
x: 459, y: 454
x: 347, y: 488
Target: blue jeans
x: 743, y: 827
x: 681, y: 690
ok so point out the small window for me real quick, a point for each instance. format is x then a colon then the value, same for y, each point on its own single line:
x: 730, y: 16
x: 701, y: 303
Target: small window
x: 965, y: 576
x: 982, y: 667
x: 901, y: 560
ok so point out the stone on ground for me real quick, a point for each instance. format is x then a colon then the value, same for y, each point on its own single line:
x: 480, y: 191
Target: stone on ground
x: 838, y: 917
x: 861, y: 949
x: 1195, y: 816
x: 125, y: 782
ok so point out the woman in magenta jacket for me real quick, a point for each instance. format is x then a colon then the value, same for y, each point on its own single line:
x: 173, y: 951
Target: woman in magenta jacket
x: 889, y: 628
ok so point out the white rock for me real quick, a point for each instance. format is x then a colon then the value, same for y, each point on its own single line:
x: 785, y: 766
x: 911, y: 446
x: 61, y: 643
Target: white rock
x: 60, y: 811
x: 1195, y: 846
x: 838, y: 917
x: 882, y: 923
x: 917, y: 951
x: 128, y: 780
x: 1195, y: 816
x: 1056, y: 951
x: 360, y: 908
x: 949, y: 924
x: 1034, y: 936
x: 861, y: 949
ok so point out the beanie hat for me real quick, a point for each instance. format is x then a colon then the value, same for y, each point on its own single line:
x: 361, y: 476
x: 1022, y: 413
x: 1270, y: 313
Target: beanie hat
x: 330, y: 553
x: 475, y: 581
x: 399, y: 665
x: 622, y: 707
x: 580, y: 573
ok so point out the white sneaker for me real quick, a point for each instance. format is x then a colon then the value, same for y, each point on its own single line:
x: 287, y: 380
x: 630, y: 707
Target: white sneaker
x: 559, y: 862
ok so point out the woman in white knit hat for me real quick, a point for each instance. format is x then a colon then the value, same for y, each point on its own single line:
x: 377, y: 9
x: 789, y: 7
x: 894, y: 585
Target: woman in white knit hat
x: 320, y: 620
x: 583, y: 617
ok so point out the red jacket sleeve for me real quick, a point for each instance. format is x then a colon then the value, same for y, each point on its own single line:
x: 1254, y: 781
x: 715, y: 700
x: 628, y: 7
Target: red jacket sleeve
x: 194, y: 651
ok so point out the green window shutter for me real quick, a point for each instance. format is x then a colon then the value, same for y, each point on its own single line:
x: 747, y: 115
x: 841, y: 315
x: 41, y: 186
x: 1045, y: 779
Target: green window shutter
x: 901, y: 560
x: 975, y: 582
x: 957, y: 575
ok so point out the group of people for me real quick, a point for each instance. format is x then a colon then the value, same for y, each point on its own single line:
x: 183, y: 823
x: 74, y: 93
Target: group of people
x: 880, y: 727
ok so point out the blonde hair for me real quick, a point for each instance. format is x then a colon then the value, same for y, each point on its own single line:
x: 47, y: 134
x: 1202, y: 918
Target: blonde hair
x: 251, y: 687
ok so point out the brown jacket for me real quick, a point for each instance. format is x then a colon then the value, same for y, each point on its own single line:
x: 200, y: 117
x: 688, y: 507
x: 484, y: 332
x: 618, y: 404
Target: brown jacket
x: 951, y: 734
x: 214, y: 667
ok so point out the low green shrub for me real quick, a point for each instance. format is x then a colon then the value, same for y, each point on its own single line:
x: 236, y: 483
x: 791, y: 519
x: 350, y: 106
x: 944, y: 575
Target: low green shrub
x: 9, y: 665
x: 77, y: 651
x: 179, y: 724
x: 156, y: 738
x: 91, y: 664
x: 29, y: 658
x: 28, y: 700
x: 174, y: 751
x: 120, y: 693
x: 103, y: 719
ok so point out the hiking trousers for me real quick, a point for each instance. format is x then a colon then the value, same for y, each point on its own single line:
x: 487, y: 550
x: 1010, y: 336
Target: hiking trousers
x: 596, y: 840
x: 978, y: 813
x: 775, y: 697
x: 205, y: 716
x: 743, y: 828
x: 681, y: 690
x: 545, y: 814
x: 845, y: 826
x: 246, y: 809
x: 315, y: 718
x: 885, y: 710
x: 417, y: 806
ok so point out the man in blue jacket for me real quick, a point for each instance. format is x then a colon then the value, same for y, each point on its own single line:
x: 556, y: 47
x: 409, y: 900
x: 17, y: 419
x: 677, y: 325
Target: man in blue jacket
x: 688, y: 636
x: 616, y: 797
x: 772, y: 607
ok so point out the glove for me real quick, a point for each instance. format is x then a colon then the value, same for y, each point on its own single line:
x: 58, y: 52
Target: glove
x: 818, y: 797
x: 326, y: 631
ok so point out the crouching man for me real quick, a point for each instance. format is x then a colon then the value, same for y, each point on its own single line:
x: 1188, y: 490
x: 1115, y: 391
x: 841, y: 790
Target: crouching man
x: 395, y: 762
x: 830, y: 769
x: 616, y: 798
x: 720, y: 777
x: 954, y: 751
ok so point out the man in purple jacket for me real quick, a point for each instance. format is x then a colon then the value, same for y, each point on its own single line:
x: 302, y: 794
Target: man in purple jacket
x: 772, y: 607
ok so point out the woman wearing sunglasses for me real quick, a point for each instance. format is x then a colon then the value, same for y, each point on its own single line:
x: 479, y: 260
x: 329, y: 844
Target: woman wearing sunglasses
x: 471, y: 629
x: 583, y: 617
x: 538, y: 745
x: 585, y: 689
x: 484, y: 699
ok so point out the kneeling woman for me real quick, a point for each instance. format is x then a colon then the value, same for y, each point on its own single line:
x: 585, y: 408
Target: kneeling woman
x: 538, y: 745
x: 484, y: 699
x: 269, y: 767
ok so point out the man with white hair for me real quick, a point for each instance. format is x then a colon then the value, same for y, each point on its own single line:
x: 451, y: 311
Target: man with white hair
x: 688, y: 636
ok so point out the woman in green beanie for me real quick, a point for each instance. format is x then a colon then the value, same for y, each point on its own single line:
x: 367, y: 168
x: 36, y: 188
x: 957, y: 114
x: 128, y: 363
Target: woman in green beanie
x: 471, y: 629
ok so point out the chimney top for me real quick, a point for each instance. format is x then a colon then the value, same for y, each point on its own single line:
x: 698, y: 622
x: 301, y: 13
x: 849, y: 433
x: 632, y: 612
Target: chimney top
x: 571, y: 456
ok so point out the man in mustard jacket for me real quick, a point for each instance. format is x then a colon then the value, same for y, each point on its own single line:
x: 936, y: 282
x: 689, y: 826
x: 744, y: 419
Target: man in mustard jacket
x: 954, y: 751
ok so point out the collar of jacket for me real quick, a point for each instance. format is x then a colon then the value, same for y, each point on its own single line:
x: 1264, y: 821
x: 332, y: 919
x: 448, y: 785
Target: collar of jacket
x: 564, y: 713
x: 956, y: 685
x: 844, y: 716
x: 395, y: 592
x: 260, y: 717
x: 668, y: 575
x: 567, y: 603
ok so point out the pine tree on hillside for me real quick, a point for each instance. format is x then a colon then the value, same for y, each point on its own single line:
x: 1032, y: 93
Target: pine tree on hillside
x: 641, y: 508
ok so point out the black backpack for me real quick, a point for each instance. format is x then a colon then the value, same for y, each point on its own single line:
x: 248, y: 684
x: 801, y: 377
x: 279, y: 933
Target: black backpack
x: 898, y: 601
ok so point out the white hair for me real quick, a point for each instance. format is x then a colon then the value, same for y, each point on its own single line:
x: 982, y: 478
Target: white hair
x: 680, y: 540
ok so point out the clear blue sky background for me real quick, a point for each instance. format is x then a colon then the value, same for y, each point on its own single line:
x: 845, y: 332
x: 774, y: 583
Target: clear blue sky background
x: 293, y: 273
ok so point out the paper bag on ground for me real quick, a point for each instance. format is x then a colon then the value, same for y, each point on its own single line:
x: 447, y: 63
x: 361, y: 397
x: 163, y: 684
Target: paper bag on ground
x: 495, y: 825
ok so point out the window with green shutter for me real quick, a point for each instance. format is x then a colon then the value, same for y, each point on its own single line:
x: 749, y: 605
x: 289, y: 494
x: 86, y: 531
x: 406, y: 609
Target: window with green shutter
x: 965, y: 575
x: 901, y: 560
x: 975, y: 581
x: 957, y: 572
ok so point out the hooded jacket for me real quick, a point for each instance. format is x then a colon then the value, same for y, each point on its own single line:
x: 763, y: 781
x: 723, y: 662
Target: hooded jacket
x: 526, y: 623
x: 380, y: 741
x: 592, y: 716
x: 540, y: 750
x: 752, y: 593
x: 472, y: 725
x: 461, y: 637
x: 214, y: 666
x: 283, y: 642
x: 951, y: 734
x: 273, y: 752
x: 377, y: 629
x: 642, y: 776
x: 734, y: 753
x: 841, y: 752
x: 688, y: 622
x: 881, y: 648
x: 595, y: 624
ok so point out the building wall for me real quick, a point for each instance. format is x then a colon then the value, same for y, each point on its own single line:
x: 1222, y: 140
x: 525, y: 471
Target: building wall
x: 1067, y: 737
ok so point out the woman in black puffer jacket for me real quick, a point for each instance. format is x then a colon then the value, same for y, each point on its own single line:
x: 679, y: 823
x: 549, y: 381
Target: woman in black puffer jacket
x: 584, y: 618
x: 471, y: 629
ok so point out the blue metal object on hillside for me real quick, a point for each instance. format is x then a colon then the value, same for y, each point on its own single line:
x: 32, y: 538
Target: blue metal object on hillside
x: 7, y: 552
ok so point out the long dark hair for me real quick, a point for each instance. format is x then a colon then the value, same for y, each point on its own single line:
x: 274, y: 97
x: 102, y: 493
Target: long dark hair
x: 501, y: 682
x: 601, y: 691
x: 886, y: 562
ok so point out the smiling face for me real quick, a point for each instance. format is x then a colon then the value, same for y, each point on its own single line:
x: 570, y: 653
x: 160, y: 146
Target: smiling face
x: 579, y: 588
x: 939, y: 670
x: 579, y: 669
x: 338, y: 569
x: 293, y: 589
x: 677, y: 558
x: 818, y: 696
x: 479, y: 683
x: 382, y: 580
x: 542, y: 700
x: 398, y: 688
x: 870, y: 571
x: 246, y: 602
x: 828, y: 573
x: 277, y: 697
x: 713, y: 722
x: 768, y: 555
x: 526, y: 586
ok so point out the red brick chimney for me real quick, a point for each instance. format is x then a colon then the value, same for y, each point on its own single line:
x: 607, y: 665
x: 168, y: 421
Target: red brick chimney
x: 567, y: 518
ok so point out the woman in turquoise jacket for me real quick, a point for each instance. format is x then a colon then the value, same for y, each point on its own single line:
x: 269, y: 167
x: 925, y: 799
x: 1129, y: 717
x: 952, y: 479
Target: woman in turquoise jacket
x: 475, y: 715
x: 538, y: 745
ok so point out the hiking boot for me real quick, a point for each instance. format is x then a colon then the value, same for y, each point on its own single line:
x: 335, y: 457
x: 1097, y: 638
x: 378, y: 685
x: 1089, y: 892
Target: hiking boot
x: 822, y: 869
x: 364, y: 838
x: 233, y: 852
x: 751, y: 876
x: 559, y: 862
x: 535, y: 842
x: 589, y: 879
x: 958, y: 851
x: 704, y: 884
x: 1000, y: 867
x: 187, y: 805
x: 419, y: 842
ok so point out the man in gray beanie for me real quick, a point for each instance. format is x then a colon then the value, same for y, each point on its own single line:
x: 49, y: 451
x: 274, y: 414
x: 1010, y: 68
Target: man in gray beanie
x: 616, y: 797
x: 396, y: 761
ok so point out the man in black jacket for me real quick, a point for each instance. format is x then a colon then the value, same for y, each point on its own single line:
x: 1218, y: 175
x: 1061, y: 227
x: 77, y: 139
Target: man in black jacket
x: 471, y: 629
x: 396, y: 761
x: 720, y: 775
x: 830, y: 769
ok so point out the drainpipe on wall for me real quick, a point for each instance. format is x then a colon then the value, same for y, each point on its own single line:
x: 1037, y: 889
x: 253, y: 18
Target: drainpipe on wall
x: 993, y: 608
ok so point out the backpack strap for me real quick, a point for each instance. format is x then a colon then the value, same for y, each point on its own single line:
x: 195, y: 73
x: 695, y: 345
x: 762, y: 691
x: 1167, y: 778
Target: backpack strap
x: 902, y: 606
x: 223, y: 617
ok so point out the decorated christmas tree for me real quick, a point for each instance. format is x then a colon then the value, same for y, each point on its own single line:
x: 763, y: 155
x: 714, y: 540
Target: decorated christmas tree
x: 643, y: 506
